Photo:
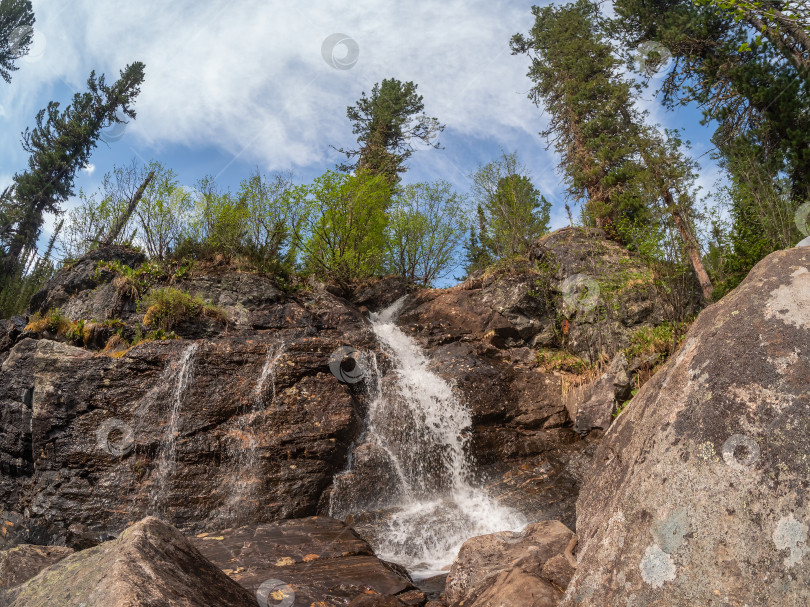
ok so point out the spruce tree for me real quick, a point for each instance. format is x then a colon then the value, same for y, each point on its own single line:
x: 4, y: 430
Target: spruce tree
x: 629, y: 175
x: 16, y: 32
x: 59, y: 146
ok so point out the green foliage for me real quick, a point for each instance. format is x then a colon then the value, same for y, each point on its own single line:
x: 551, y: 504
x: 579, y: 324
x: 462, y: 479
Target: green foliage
x: 752, y: 89
x: 342, y: 225
x: 59, y: 146
x: 511, y: 212
x: 425, y: 228
x: 271, y: 222
x: 386, y: 123
x: 163, y: 211
x: 16, y: 31
x: 53, y: 321
x: 592, y: 116
x: 167, y: 307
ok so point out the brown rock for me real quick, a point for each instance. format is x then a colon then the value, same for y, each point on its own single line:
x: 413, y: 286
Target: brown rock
x: 698, y: 493
x: 151, y: 565
x: 518, y: 556
x: 320, y: 558
x: 376, y: 600
x: 592, y: 405
x: 23, y: 562
x: 515, y: 587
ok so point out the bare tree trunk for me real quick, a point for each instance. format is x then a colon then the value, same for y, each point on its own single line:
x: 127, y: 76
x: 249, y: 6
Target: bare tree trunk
x: 692, y: 248
x: 115, y: 230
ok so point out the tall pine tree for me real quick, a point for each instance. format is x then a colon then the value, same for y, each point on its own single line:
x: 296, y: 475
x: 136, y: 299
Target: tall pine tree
x: 624, y: 170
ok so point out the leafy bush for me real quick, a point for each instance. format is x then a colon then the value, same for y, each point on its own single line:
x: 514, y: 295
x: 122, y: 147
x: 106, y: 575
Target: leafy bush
x: 342, y: 225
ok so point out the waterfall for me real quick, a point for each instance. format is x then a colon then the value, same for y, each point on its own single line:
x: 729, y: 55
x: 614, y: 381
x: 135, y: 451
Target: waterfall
x: 167, y: 458
x: 416, y: 440
x: 244, y: 476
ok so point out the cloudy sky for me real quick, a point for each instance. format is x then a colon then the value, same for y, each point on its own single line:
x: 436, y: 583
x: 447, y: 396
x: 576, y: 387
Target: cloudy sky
x: 235, y: 85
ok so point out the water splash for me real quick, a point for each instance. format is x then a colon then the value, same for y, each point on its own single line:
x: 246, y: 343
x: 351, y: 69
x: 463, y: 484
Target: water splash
x: 418, y: 425
x: 167, y: 459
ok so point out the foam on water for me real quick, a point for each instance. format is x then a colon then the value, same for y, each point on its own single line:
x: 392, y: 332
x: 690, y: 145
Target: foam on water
x: 422, y: 426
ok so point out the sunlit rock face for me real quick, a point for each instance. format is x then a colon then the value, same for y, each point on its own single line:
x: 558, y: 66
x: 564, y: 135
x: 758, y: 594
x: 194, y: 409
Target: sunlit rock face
x: 698, y: 492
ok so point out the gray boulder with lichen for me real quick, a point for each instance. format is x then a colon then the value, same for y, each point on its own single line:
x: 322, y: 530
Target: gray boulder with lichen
x: 698, y: 493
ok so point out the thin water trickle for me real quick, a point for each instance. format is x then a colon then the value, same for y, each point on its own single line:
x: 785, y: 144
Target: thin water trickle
x: 167, y: 458
x: 244, y: 477
x: 419, y: 425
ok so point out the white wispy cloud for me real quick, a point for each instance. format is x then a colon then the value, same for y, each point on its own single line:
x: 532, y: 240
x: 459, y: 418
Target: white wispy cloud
x: 249, y: 78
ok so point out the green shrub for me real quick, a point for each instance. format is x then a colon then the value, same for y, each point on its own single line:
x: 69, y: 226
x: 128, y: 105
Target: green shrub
x: 167, y: 307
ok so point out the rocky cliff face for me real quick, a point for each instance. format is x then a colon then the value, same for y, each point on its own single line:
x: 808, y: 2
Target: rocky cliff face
x: 249, y: 421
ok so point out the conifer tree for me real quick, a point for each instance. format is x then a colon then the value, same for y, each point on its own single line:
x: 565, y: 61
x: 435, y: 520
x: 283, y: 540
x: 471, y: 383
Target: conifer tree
x: 387, y: 123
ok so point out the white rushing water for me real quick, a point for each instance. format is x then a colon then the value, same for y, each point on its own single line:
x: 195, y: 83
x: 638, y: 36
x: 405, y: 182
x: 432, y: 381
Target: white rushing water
x: 167, y: 457
x: 420, y: 425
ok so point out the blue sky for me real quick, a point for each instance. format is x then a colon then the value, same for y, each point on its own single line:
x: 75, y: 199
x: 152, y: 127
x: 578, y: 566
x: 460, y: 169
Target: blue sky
x: 231, y: 86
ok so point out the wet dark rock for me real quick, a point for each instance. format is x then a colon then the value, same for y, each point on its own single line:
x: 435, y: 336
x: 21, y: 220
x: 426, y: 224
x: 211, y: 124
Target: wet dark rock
x: 380, y: 293
x: 151, y: 564
x: 65, y: 461
x: 21, y: 563
x: 317, y: 559
x: 698, y: 493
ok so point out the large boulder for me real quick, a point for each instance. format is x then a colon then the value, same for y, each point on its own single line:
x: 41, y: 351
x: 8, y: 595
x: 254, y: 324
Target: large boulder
x: 314, y: 561
x: 21, y: 563
x: 85, y: 274
x: 150, y: 565
x: 698, y: 492
x: 511, y: 568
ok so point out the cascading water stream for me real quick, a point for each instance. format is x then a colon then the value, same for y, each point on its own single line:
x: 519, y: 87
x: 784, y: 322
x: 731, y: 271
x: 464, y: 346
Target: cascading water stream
x: 167, y: 458
x: 418, y: 424
x: 243, y: 479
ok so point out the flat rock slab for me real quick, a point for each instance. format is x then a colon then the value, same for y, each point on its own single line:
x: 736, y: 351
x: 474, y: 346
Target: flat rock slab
x: 20, y: 564
x: 150, y: 565
x: 312, y: 559
x: 697, y: 494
